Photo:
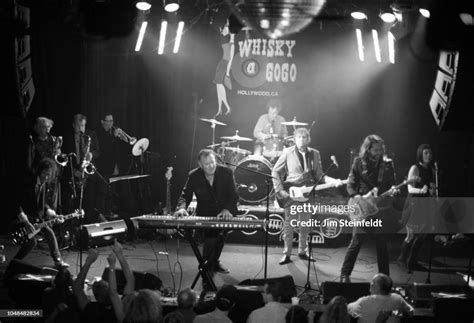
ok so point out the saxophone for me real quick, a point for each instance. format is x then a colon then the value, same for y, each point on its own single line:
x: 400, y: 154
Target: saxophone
x: 86, y: 165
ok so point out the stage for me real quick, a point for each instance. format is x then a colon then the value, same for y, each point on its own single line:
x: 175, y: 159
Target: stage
x: 173, y: 261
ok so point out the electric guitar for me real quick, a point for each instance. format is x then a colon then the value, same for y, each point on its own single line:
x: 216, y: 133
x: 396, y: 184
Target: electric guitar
x: 20, y: 233
x: 361, y: 207
x: 299, y: 190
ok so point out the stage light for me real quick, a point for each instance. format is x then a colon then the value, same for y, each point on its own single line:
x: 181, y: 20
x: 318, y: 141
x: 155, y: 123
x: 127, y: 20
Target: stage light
x: 391, y: 48
x: 276, y: 18
x: 424, y: 12
x: 359, y: 15
x: 171, y: 5
x: 140, y: 36
x: 179, y: 33
x: 466, y: 18
x: 375, y: 36
x: 388, y: 17
x: 360, y: 45
x: 161, y: 45
x: 143, y: 5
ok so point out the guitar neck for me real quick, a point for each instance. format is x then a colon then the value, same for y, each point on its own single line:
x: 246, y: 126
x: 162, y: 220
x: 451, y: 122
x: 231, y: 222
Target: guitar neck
x: 39, y: 226
x: 320, y: 187
x: 168, y: 198
x: 387, y: 193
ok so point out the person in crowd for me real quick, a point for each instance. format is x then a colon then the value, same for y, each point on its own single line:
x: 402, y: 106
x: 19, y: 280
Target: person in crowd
x: 225, y: 299
x: 382, y: 305
x: 274, y: 310
x: 336, y: 311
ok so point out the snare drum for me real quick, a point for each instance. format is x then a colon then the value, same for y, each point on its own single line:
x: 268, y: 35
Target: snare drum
x: 252, y: 187
x: 273, y: 147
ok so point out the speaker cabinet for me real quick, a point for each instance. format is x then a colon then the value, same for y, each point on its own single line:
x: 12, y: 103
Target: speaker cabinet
x: 351, y: 291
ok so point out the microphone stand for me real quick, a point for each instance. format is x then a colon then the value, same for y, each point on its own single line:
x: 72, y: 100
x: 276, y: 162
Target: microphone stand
x: 313, y: 190
x: 268, y: 182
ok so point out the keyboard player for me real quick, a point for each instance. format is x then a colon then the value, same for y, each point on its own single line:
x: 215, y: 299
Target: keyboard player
x: 216, y: 194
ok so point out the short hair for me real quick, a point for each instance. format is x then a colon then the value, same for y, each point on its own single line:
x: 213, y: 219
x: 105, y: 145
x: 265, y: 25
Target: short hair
x: 79, y: 117
x: 44, y: 121
x: 302, y: 131
x: 384, y: 282
x: 100, y: 289
x: 46, y: 164
x: 186, y: 298
x: 274, y: 103
x: 145, y: 306
x: 367, y: 144
x: 419, y: 152
x: 274, y: 288
x: 205, y: 153
x: 107, y: 114
x: 226, y: 297
x: 296, y: 313
x: 63, y: 279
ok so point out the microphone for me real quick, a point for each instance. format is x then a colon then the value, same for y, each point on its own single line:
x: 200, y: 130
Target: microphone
x: 436, y: 166
x: 334, y: 161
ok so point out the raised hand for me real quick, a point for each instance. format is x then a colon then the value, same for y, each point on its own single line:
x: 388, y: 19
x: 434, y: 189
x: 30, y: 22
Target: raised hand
x: 112, y: 260
x: 92, y: 256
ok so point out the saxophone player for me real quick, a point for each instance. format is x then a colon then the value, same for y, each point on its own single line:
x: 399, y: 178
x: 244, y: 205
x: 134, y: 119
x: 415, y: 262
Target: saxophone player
x: 83, y: 144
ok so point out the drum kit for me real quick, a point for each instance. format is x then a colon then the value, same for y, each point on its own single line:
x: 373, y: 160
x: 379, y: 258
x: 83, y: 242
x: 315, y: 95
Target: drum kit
x: 251, y: 187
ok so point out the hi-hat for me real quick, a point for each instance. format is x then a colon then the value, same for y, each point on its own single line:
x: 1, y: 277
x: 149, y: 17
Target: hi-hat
x: 294, y: 123
x: 140, y: 147
x: 237, y: 137
x: 214, y: 121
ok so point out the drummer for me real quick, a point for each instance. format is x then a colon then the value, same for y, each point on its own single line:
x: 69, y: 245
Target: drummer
x: 269, y: 126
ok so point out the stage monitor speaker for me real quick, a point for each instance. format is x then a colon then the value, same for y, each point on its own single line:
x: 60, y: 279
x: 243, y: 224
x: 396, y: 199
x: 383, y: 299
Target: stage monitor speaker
x: 453, y: 309
x: 287, y: 282
x: 143, y: 280
x: 103, y: 233
x: 351, y: 291
x: 420, y: 295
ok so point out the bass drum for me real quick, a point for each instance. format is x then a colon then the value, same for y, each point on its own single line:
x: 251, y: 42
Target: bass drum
x: 252, y: 187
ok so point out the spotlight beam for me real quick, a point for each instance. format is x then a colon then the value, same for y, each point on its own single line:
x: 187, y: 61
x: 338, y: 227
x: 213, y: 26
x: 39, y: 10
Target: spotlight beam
x: 161, y: 45
x: 140, y: 36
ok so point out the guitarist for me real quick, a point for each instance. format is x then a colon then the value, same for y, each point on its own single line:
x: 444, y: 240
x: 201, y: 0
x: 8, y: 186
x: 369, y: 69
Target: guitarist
x: 300, y: 165
x: 35, y: 200
x: 370, y: 172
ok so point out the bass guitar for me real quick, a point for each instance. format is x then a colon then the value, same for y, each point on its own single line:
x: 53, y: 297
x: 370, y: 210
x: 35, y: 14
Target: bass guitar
x: 20, y: 233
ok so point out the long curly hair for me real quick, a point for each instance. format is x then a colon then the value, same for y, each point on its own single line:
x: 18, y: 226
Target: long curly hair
x: 369, y: 141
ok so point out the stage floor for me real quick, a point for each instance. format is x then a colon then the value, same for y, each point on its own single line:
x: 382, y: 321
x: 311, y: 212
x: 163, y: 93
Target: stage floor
x: 178, y: 269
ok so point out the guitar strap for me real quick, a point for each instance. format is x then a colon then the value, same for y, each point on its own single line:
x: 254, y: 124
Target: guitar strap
x: 381, y: 171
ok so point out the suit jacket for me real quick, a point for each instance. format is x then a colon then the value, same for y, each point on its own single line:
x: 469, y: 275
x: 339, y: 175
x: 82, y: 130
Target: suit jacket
x: 289, y: 167
x: 210, y: 200
x: 69, y: 146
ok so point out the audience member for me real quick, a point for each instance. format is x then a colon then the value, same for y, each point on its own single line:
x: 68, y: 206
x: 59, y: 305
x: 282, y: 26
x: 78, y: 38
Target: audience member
x: 273, y: 311
x: 143, y: 306
x: 379, y: 306
x: 296, y: 314
x: 59, y: 304
x: 185, y: 312
x: 336, y: 311
x: 225, y: 299
x: 101, y: 310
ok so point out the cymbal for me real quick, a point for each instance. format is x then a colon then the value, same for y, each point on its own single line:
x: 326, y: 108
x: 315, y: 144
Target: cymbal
x: 122, y: 178
x: 236, y: 137
x: 140, y: 147
x: 214, y: 121
x: 238, y: 150
x: 294, y: 123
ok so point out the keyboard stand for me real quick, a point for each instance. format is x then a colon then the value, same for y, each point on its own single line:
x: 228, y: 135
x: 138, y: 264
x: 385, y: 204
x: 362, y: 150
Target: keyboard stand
x: 203, y: 272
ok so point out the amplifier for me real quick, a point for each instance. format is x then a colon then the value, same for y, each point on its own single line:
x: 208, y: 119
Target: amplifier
x: 103, y: 233
x: 421, y: 295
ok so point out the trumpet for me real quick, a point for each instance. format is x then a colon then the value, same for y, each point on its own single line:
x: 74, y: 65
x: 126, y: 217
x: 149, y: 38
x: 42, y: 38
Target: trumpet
x: 124, y: 136
x: 61, y: 159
